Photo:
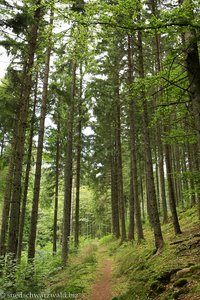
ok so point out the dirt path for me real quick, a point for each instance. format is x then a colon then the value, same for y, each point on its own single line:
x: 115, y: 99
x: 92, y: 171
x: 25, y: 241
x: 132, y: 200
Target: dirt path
x: 102, y: 288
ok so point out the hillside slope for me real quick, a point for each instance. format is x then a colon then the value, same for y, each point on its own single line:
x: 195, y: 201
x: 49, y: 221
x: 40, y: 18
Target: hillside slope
x: 173, y: 274
x: 137, y: 272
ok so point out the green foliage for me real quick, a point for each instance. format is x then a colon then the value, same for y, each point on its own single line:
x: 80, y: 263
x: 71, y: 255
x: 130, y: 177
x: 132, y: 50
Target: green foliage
x: 149, y: 275
x: 180, y: 282
x: 19, y: 22
x: 95, y: 37
x: 195, y: 268
x: 106, y: 239
x: 9, y: 93
x: 196, y: 289
x: 77, y: 277
x: 28, y: 278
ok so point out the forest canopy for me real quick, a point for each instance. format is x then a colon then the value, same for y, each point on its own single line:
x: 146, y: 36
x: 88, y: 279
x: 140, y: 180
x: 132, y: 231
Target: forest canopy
x: 99, y: 122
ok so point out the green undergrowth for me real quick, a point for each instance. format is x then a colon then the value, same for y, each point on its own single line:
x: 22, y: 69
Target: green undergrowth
x: 48, y: 279
x: 75, y: 279
x: 26, y: 278
x: 138, y: 273
x: 171, y: 274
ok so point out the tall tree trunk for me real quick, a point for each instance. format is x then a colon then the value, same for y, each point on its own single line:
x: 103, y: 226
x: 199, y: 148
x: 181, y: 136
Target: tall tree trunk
x: 154, y: 216
x: 184, y: 169
x: 176, y: 157
x: 162, y: 176
x: 191, y: 169
x: 193, y: 71
x: 20, y: 138
x: 55, y: 219
x: 192, y: 64
x: 175, y: 172
x: 157, y: 178
x: 119, y: 160
x: 78, y: 162
x: 68, y: 172
x: 134, y: 172
x: 197, y: 170
x: 142, y: 197
x: 9, y: 179
x: 141, y: 185
x: 172, y: 200
x: 6, y: 203
x: 5, y: 214
x: 2, y: 143
x: 26, y: 183
x: 36, y: 191
x: 159, y: 124
x: 131, y: 229
x: 114, y: 197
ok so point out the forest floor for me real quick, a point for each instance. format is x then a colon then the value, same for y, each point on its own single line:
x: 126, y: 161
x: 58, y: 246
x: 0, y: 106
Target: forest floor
x: 109, y: 270
x: 89, y: 275
x: 102, y: 287
x: 173, y: 274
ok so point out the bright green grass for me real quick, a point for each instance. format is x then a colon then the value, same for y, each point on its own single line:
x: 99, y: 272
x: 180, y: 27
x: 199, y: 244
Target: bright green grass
x: 138, y: 265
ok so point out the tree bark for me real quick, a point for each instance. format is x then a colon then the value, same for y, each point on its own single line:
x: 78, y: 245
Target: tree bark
x: 191, y: 168
x: 193, y: 69
x: 162, y: 176
x: 55, y: 219
x: 36, y: 192
x: 68, y: 172
x: 154, y: 216
x: 159, y: 124
x: 2, y: 143
x: 131, y: 229
x: 176, y: 157
x: 20, y: 138
x: 134, y: 172
x: 172, y: 199
x: 26, y: 183
x: 78, y: 162
x: 6, y: 203
x: 119, y: 161
x: 114, y: 197
x: 157, y: 177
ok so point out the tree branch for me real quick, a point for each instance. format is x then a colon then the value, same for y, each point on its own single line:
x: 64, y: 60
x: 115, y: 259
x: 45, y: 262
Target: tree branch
x: 135, y: 26
x: 174, y: 84
x: 174, y: 103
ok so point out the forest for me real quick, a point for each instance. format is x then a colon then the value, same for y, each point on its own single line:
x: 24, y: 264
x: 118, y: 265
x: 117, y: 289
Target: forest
x: 100, y: 149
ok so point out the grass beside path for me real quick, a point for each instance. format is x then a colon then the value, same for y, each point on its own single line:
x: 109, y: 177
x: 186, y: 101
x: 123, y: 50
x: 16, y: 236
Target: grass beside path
x: 88, y: 275
x: 174, y: 274
x: 134, y: 271
x: 76, y: 279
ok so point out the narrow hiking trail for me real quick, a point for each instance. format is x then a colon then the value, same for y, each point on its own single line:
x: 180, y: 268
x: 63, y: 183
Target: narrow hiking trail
x: 106, y: 285
x: 90, y: 275
x: 102, y: 288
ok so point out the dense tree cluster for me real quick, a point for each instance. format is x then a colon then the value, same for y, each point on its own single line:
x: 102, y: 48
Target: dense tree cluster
x: 99, y: 121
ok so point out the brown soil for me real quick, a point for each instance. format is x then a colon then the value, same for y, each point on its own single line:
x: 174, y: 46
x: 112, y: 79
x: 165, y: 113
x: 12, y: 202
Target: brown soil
x: 102, y: 288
